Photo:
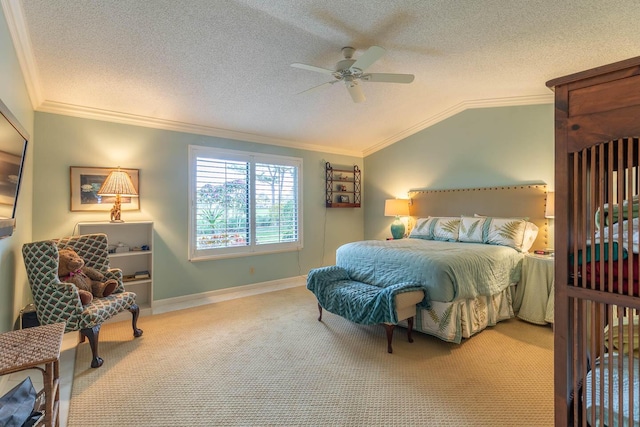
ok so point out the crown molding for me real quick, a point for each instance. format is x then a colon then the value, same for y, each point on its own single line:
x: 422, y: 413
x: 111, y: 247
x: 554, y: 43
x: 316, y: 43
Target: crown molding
x: 456, y: 109
x: 136, y: 120
x: 151, y: 122
x: 23, y: 48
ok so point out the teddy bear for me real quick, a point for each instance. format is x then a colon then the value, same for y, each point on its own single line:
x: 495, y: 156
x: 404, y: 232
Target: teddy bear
x: 89, y: 281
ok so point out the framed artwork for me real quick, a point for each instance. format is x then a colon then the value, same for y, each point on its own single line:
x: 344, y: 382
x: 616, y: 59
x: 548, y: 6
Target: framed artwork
x: 85, y: 183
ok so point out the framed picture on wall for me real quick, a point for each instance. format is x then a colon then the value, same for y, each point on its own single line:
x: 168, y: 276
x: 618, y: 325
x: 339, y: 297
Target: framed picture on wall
x: 85, y: 183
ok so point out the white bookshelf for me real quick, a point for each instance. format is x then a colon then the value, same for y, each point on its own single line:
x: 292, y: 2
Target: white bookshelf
x: 135, y: 235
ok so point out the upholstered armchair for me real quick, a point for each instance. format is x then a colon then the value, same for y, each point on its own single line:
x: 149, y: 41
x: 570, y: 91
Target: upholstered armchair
x: 57, y: 301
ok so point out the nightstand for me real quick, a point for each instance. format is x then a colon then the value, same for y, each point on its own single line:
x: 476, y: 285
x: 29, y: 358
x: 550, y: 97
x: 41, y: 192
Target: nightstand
x: 534, y: 299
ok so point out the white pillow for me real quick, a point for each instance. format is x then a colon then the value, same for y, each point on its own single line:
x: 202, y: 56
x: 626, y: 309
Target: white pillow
x: 471, y: 229
x: 422, y: 229
x: 446, y: 228
x: 436, y: 228
x: 530, y: 234
x: 506, y: 232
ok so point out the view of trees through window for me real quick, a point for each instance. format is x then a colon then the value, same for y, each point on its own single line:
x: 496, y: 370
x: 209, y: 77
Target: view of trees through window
x: 228, y: 199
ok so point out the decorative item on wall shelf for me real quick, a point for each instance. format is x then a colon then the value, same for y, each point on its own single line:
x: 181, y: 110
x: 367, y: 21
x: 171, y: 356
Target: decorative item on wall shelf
x: 87, y: 181
x: 344, y: 199
x: 397, y: 208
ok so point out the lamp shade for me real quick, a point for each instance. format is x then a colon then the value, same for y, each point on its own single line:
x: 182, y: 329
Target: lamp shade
x: 396, y: 207
x: 118, y: 183
x: 550, y: 209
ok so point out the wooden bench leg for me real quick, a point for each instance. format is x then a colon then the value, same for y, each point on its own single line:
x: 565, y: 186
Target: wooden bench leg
x: 409, y: 328
x: 389, y: 329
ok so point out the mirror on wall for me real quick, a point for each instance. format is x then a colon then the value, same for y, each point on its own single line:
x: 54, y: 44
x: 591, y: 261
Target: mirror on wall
x: 13, y: 147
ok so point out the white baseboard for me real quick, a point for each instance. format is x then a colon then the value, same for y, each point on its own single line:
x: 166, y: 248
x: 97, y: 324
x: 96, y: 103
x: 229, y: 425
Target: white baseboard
x: 188, y: 301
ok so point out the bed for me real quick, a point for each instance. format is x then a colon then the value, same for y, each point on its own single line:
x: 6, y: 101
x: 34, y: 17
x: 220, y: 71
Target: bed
x: 455, y: 250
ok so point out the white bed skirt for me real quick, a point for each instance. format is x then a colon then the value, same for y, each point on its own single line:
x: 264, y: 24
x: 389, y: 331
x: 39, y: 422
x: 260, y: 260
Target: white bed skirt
x: 452, y: 321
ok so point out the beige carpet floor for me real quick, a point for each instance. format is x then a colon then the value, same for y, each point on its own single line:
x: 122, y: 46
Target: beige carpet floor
x: 265, y: 360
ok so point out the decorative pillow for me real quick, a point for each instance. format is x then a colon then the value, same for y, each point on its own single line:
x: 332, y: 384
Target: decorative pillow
x: 471, y: 229
x: 506, y: 232
x: 446, y: 228
x: 530, y: 234
x: 422, y: 229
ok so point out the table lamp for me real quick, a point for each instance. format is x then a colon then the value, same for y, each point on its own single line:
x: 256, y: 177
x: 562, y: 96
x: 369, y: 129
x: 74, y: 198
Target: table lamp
x: 397, y: 208
x: 550, y: 208
x: 117, y: 184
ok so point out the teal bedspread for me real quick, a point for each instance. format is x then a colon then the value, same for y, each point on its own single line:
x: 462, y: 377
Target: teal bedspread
x: 355, y: 301
x: 448, y: 270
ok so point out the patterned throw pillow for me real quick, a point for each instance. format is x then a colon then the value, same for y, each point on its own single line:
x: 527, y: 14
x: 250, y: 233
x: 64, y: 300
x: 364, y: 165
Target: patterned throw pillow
x: 506, y: 232
x: 471, y: 229
x: 436, y: 228
x: 422, y: 229
x: 446, y: 228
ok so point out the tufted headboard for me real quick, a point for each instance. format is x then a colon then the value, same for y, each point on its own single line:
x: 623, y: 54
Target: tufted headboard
x: 511, y: 201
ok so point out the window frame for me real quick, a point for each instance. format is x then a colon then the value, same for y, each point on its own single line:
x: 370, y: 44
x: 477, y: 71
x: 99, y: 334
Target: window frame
x: 195, y: 254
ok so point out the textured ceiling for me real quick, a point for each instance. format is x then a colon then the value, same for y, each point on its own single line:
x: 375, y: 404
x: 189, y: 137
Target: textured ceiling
x: 222, y: 67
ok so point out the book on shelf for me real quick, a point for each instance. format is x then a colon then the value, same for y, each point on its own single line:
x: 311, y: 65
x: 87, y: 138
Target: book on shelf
x: 144, y: 274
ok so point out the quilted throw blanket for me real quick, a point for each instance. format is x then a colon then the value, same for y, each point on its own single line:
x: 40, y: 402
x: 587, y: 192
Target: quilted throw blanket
x: 358, y: 302
x: 448, y: 270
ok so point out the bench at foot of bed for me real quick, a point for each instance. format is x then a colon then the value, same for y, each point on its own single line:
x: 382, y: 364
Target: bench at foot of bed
x: 388, y: 327
x: 363, y: 303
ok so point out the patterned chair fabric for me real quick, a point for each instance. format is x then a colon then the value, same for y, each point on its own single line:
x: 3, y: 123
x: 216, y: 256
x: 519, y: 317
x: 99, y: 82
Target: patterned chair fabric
x: 58, y: 301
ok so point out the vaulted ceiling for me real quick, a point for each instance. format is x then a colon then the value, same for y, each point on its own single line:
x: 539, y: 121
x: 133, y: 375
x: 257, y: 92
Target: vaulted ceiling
x: 222, y: 67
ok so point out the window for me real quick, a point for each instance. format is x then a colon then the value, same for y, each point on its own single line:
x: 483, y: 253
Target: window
x: 243, y: 203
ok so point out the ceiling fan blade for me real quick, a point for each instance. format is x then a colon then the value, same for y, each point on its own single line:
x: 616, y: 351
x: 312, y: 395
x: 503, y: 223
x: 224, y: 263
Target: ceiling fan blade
x: 355, y: 91
x: 317, y: 87
x: 312, y: 68
x: 388, y: 78
x: 369, y: 57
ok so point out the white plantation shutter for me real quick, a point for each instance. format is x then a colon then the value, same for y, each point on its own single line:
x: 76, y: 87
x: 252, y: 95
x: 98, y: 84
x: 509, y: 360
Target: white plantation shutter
x: 243, y: 203
x: 222, y: 208
x: 276, y: 203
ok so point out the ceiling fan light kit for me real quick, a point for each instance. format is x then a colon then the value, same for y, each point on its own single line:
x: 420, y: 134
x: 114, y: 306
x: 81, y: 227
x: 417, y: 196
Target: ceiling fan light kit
x: 351, y: 72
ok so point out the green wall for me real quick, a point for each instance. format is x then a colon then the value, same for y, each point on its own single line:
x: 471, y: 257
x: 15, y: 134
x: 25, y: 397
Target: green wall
x: 13, y: 283
x: 475, y: 148
x: 162, y: 157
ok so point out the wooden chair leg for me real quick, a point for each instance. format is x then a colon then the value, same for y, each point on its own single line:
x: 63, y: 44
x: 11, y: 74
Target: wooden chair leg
x: 135, y: 311
x: 92, y: 335
x: 389, y: 329
x: 320, y: 310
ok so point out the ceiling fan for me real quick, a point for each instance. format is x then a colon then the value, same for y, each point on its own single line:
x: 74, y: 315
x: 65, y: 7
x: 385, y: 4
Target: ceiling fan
x: 352, y: 71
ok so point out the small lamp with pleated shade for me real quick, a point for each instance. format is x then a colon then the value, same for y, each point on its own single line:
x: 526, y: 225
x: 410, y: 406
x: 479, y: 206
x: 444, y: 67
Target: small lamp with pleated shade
x: 397, y: 208
x: 550, y: 208
x: 117, y: 184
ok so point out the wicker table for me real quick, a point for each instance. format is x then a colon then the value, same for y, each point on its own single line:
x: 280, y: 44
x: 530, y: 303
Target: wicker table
x: 29, y: 348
